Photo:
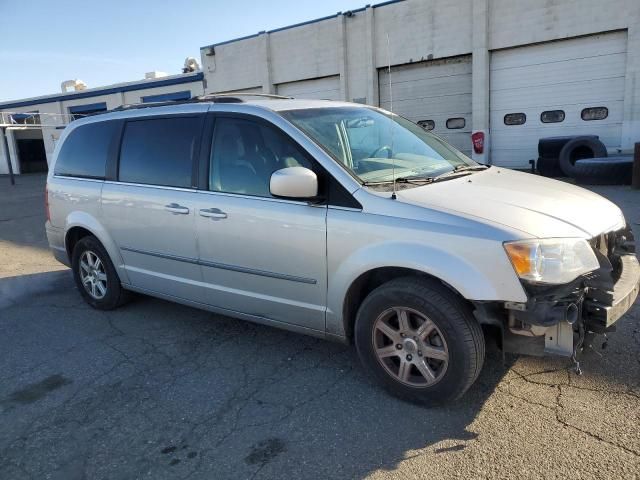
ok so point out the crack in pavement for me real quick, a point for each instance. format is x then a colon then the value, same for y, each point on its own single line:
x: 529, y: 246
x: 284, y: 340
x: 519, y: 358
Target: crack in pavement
x: 558, y: 408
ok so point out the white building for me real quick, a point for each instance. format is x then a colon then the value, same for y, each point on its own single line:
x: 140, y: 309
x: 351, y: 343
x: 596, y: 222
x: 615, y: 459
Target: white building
x: 30, y: 148
x: 516, y: 70
x: 513, y: 71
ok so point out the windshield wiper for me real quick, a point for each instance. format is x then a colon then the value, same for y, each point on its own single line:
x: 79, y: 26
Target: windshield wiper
x: 460, y: 169
x: 425, y: 180
x: 417, y: 180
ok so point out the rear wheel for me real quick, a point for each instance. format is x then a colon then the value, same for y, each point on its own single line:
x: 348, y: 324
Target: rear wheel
x: 419, y: 341
x: 95, y: 275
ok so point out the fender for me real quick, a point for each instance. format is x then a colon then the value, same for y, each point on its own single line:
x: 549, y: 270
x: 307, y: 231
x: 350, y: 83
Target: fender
x: 83, y: 219
x: 485, y: 274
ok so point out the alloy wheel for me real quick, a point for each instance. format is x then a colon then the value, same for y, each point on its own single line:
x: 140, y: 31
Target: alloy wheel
x: 410, y: 347
x: 93, y: 275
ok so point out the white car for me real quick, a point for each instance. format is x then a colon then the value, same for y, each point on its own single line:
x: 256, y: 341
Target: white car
x: 341, y: 221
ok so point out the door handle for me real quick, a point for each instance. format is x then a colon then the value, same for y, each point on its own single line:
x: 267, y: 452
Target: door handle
x: 213, y: 213
x: 177, y: 209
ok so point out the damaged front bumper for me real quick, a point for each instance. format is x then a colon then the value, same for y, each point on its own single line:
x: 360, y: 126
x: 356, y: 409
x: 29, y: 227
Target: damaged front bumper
x: 555, y: 319
x: 604, y: 305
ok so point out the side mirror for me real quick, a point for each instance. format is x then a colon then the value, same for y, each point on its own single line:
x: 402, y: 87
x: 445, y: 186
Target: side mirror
x: 294, y: 182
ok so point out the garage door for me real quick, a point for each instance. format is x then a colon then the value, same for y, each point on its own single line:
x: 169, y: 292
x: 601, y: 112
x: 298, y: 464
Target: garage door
x: 568, y: 87
x: 435, y: 93
x: 325, y: 88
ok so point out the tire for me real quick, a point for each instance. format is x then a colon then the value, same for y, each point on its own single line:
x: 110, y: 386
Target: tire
x: 454, y: 333
x: 604, y: 171
x: 114, y: 295
x: 577, y: 149
x: 548, y: 167
x: 550, y: 147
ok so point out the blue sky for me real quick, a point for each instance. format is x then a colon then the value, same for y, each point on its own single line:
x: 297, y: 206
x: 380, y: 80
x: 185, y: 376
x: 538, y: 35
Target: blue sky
x: 110, y: 41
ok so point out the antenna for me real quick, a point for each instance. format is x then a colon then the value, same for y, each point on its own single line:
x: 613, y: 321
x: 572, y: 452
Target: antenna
x: 393, y: 160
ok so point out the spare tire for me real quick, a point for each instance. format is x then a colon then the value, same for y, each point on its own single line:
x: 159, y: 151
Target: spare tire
x: 578, y: 149
x: 551, y: 146
x: 604, y: 171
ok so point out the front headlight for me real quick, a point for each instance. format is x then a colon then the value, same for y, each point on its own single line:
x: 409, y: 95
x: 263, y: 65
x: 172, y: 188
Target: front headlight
x: 552, y: 260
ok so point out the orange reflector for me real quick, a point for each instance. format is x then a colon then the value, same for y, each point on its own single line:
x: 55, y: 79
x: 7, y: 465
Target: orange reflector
x: 520, y: 256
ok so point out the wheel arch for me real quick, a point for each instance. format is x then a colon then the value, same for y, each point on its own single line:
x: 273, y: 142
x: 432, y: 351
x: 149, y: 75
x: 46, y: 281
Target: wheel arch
x: 73, y: 236
x: 82, y: 224
x: 368, y: 281
x: 477, y: 276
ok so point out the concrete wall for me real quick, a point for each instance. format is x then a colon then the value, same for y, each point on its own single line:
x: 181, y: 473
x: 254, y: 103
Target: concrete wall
x: 243, y: 63
x: 354, y: 46
x: 420, y: 30
x: 309, y: 51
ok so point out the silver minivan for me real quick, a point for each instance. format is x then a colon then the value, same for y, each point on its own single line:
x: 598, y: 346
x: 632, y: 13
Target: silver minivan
x: 342, y: 221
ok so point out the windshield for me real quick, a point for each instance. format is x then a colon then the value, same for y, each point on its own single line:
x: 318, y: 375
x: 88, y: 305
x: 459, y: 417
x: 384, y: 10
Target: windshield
x: 376, y: 146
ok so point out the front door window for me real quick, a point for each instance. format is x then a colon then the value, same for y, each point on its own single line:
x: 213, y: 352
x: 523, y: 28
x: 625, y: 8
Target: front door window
x: 245, y: 154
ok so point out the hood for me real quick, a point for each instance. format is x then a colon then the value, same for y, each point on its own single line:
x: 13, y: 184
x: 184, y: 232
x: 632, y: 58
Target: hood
x: 536, y: 205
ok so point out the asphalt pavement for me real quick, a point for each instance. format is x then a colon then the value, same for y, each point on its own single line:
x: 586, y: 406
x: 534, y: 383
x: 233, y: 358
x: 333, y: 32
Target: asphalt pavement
x: 158, y: 390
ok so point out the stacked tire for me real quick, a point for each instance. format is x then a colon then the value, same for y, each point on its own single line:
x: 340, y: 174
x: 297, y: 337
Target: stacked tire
x: 604, y: 171
x: 583, y: 158
x: 579, y: 148
x: 550, y: 149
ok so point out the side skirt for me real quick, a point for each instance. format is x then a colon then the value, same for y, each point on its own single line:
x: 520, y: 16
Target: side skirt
x: 239, y: 315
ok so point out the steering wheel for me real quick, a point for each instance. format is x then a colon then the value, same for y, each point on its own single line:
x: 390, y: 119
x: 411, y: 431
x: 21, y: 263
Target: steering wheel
x: 379, y: 150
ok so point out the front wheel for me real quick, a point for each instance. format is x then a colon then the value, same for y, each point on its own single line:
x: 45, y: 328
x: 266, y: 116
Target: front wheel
x: 419, y: 340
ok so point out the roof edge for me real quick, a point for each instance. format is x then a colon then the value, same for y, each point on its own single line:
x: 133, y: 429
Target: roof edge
x: 106, y: 90
x: 301, y: 24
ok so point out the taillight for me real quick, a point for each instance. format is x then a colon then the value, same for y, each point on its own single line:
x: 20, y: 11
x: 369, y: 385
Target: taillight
x: 477, y: 138
x: 46, y: 202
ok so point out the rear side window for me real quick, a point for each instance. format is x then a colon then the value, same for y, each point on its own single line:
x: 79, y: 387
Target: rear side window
x: 159, y: 151
x: 85, y: 151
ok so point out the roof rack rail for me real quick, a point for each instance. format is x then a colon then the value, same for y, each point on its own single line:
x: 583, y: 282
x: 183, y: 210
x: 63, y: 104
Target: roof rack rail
x: 213, y: 96
x: 230, y: 97
x: 134, y: 106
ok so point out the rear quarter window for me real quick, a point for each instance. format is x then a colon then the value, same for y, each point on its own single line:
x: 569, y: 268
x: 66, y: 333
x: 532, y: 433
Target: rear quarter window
x: 84, y: 153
